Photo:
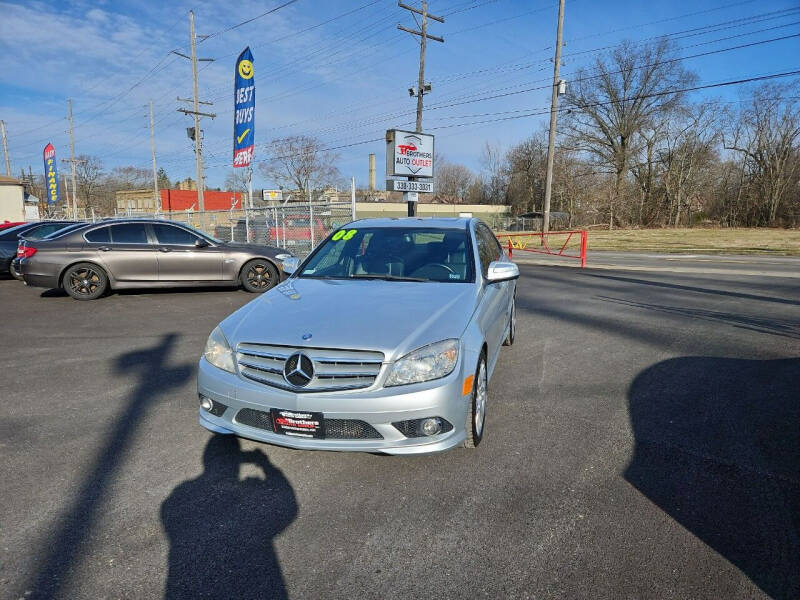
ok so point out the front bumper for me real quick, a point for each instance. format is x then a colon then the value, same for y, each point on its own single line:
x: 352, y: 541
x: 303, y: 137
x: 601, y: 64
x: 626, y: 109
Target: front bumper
x: 379, y: 407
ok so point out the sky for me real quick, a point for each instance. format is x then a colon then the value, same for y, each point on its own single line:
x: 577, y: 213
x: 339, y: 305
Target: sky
x: 338, y: 71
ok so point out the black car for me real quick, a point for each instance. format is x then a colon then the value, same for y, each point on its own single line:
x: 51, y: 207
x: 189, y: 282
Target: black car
x: 10, y: 238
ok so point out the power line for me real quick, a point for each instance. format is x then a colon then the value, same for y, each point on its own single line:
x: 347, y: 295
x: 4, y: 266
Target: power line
x: 246, y: 21
x: 543, y: 111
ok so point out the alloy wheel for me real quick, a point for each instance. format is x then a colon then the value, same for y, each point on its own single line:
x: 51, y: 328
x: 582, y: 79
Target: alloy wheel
x: 84, y: 281
x: 481, y: 398
x: 259, y: 276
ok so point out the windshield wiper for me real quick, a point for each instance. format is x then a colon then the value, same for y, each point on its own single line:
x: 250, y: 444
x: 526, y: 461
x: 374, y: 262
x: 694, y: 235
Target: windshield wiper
x: 385, y: 277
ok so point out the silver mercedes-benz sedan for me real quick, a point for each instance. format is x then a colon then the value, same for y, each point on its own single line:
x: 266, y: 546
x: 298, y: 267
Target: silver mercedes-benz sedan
x: 384, y: 339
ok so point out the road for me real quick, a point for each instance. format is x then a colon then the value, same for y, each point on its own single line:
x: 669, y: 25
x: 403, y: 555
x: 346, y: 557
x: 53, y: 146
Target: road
x: 643, y: 441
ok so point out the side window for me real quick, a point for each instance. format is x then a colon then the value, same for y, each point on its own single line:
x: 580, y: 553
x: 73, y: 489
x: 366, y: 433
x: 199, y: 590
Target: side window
x: 100, y: 235
x: 169, y: 234
x: 498, y: 249
x: 129, y: 233
x: 488, y: 247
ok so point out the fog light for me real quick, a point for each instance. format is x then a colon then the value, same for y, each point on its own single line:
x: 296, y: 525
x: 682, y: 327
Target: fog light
x: 206, y: 403
x: 430, y: 426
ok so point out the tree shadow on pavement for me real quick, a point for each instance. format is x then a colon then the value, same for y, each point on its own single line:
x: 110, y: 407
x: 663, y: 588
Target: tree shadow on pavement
x: 759, y: 324
x: 221, y: 528
x: 717, y: 447
x: 691, y: 288
x: 67, y: 545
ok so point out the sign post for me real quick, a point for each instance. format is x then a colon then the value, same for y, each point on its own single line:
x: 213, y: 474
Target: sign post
x: 409, y: 154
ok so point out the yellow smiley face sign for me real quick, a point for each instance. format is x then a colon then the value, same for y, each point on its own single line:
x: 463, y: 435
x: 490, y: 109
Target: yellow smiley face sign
x: 245, y: 69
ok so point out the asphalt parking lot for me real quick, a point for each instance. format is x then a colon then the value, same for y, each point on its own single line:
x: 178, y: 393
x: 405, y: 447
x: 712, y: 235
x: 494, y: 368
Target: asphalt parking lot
x: 643, y: 441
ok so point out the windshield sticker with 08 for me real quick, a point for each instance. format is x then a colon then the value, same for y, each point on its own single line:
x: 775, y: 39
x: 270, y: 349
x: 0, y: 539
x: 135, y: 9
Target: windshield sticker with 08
x: 344, y: 235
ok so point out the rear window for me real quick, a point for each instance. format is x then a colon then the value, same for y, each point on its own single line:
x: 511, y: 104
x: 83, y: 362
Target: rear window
x: 64, y: 231
x: 38, y: 233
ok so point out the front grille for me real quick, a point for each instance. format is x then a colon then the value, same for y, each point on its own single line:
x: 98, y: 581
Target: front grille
x: 333, y: 369
x: 337, y: 429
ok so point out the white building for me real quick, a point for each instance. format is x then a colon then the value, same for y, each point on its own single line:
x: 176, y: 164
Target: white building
x: 12, y: 200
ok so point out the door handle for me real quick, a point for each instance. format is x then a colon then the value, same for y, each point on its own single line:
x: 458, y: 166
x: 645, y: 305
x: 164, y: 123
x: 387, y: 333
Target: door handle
x: 165, y: 249
x: 104, y: 248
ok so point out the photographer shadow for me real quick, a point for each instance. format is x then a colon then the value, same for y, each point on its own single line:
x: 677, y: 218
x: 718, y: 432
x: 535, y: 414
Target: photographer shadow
x: 718, y: 449
x: 221, y: 529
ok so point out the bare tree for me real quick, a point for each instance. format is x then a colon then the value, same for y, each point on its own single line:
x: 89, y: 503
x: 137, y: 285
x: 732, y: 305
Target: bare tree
x: 494, y: 174
x: 688, y: 150
x: 300, y: 162
x: 767, y: 136
x: 526, y: 165
x: 630, y: 90
x: 88, y: 177
x: 453, y: 182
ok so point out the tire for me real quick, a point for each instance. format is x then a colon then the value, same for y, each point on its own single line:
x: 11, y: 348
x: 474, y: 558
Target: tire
x: 85, y: 281
x: 259, y: 275
x: 512, y: 324
x: 476, y: 413
x: 14, y: 273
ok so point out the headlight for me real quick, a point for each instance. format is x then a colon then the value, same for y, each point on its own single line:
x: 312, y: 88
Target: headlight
x: 426, y: 363
x: 218, y: 351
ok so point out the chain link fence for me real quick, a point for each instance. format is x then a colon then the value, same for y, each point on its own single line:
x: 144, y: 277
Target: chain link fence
x: 296, y: 227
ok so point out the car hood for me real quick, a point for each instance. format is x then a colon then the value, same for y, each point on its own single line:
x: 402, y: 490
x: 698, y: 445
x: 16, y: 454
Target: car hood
x: 393, y: 317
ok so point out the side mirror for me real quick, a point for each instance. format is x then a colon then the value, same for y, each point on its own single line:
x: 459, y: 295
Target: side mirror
x: 290, y: 264
x: 502, y: 270
x: 200, y: 243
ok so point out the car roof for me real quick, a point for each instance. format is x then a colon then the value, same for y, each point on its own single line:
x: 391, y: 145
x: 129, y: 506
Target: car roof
x: 125, y: 220
x: 414, y: 222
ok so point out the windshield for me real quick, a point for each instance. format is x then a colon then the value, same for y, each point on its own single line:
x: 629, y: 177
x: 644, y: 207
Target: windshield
x: 401, y: 254
x: 12, y: 232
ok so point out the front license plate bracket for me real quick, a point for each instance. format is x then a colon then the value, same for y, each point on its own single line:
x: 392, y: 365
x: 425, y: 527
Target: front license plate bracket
x: 296, y: 423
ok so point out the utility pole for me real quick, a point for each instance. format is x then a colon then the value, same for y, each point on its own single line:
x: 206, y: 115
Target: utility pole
x: 5, y: 148
x: 156, y: 200
x: 72, y: 162
x: 198, y: 137
x: 421, y: 86
x: 551, y: 138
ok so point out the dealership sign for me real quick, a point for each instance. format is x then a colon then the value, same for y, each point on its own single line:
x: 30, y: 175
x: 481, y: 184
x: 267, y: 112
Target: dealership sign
x: 409, y: 154
x: 50, y: 174
x: 403, y: 185
x: 244, y: 117
x: 272, y: 195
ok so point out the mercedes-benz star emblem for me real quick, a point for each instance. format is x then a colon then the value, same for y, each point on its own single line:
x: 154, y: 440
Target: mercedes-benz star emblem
x: 298, y: 370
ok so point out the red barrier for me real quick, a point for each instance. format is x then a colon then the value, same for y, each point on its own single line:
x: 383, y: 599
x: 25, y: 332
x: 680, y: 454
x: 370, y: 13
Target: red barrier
x: 521, y: 241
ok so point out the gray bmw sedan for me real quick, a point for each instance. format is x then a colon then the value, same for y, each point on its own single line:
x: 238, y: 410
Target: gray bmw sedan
x: 383, y: 340
x: 87, y: 261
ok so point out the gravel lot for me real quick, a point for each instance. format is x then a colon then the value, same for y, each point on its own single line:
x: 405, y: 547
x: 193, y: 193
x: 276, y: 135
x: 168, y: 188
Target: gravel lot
x: 643, y: 441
